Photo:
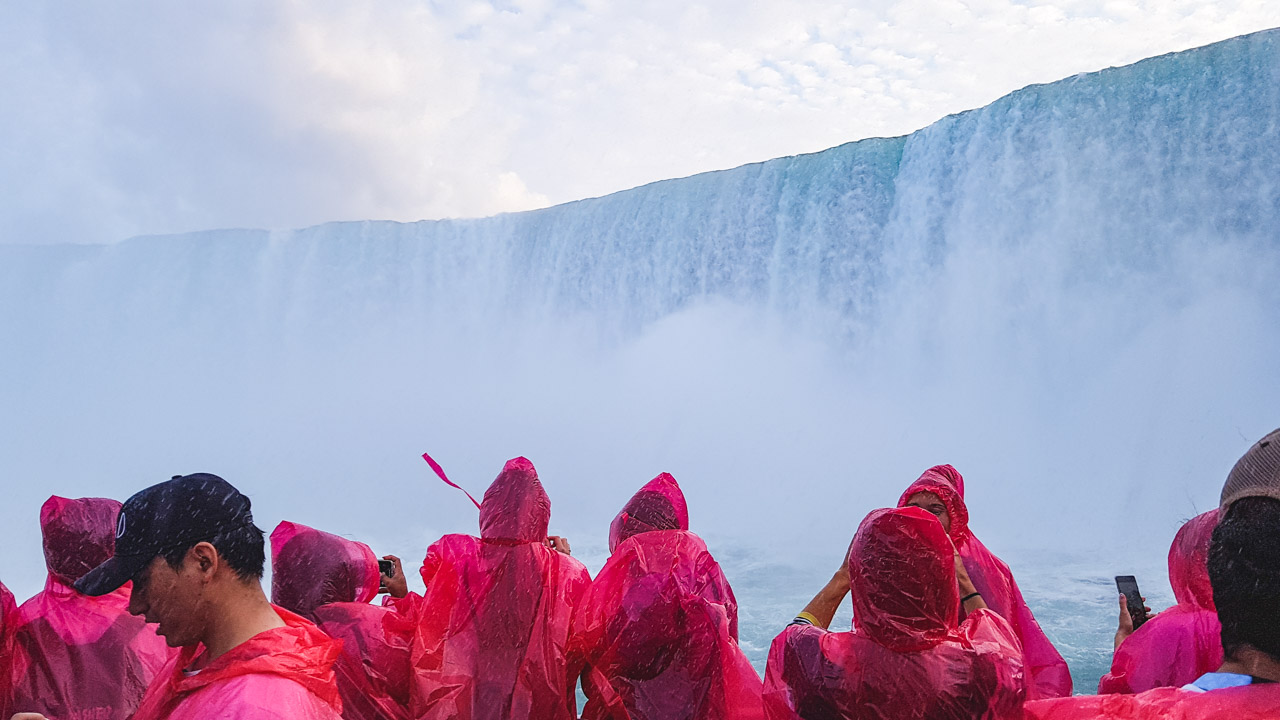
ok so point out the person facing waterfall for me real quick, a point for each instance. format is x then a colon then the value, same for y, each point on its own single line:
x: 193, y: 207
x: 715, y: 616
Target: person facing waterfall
x: 77, y: 656
x: 492, y: 638
x: 1179, y: 644
x: 908, y: 654
x: 331, y: 581
x: 940, y: 491
x: 658, y: 631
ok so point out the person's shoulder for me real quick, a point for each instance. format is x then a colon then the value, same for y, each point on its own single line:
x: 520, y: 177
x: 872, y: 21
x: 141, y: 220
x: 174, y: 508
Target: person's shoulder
x: 254, y: 696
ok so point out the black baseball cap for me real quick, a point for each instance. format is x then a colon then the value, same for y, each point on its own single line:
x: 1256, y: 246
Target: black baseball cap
x: 179, y: 512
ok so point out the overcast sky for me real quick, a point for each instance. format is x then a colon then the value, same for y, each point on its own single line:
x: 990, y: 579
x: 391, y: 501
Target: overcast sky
x: 129, y: 118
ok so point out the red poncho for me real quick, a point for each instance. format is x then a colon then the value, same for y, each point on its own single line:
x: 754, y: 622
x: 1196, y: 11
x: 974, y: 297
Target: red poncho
x: 659, y: 628
x: 77, y: 656
x: 279, y: 673
x: 8, y: 618
x: 493, y: 629
x: 1047, y: 673
x: 906, y: 657
x: 1184, y: 642
x: 331, y: 580
x: 1252, y: 702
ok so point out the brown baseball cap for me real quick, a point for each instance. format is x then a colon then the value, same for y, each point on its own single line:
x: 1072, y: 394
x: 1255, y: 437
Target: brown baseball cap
x: 1256, y: 474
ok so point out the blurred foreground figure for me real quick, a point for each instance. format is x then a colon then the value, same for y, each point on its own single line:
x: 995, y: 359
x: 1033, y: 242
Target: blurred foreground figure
x: 659, y: 629
x: 493, y: 629
x: 77, y: 656
x: 907, y: 656
x: 1182, y: 643
x: 331, y: 580
x: 1244, y: 572
x: 8, y: 618
x: 940, y: 490
x: 196, y: 561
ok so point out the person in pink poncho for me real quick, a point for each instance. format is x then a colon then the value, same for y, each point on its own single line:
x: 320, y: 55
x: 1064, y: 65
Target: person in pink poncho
x: 1182, y: 643
x: 908, y: 655
x: 77, y: 656
x: 658, y: 632
x: 940, y: 491
x: 8, y: 618
x: 493, y: 631
x: 331, y: 580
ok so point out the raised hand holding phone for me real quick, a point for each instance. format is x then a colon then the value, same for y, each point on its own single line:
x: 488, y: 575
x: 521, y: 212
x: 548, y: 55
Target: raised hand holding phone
x: 1133, y: 609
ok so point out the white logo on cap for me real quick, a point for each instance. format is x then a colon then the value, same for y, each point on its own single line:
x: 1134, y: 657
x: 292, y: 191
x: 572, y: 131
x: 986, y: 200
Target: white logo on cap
x: 120, y: 526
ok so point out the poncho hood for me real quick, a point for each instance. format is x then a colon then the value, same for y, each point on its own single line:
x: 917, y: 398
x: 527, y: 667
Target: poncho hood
x: 515, y: 507
x: 1189, y: 561
x: 78, y: 535
x: 310, y: 568
x: 659, y: 505
x: 903, y: 579
x: 947, y: 483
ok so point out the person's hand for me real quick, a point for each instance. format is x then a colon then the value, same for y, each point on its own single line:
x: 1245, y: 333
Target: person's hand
x: 964, y: 584
x: 1125, y: 626
x: 559, y: 544
x: 395, y: 584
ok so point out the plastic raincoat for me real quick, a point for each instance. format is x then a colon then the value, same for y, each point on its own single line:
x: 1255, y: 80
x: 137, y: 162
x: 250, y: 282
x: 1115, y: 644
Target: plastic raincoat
x: 278, y: 674
x: 658, y: 631
x: 8, y: 618
x: 1253, y: 702
x: 331, y: 580
x: 77, y: 656
x: 907, y: 657
x: 493, y: 631
x: 1047, y: 673
x: 1184, y: 642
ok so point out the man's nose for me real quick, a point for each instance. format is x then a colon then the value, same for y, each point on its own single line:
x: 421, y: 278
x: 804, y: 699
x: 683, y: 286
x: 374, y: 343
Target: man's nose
x: 137, y: 602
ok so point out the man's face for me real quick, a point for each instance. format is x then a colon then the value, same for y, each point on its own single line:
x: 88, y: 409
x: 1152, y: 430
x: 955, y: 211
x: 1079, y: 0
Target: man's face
x: 171, y: 598
x: 932, y: 503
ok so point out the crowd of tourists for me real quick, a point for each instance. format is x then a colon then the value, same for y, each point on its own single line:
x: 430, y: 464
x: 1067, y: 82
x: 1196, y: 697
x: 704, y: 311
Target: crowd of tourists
x: 155, y: 609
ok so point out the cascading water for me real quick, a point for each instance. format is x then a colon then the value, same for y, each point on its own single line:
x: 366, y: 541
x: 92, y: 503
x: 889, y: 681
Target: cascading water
x: 1070, y: 294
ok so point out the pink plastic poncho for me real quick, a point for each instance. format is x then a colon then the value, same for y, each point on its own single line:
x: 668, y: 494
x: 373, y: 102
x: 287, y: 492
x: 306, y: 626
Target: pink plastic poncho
x: 907, y: 657
x: 1047, y: 673
x: 8, y: 619
x: 658, y: 631
x: 284, y: 672
x: 1184, y: 642
x: 77, y: 656
x: 331, y: 580
x: 1252, y: 702
x: 493, y: 629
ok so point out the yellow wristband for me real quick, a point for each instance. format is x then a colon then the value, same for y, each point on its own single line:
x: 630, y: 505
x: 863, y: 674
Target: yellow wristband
x: 812, y: 620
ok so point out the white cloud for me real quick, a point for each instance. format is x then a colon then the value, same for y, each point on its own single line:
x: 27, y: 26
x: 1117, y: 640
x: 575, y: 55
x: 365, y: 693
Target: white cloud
x: 144, y: 117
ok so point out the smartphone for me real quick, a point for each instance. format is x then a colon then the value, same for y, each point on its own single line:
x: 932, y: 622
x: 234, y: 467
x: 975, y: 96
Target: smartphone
x: 1128, y: 586
x: 386, y: 567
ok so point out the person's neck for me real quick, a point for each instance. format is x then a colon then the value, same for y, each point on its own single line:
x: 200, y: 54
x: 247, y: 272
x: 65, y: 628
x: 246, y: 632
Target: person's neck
x: 1252, y: 661
x: 242, y: 612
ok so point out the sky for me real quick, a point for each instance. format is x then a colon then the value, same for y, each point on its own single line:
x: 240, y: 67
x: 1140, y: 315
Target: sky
x: 138, y: 117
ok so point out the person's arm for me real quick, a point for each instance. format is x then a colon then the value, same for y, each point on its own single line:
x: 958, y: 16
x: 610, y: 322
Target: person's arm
x: 822, y: 608
x: 970, y: 599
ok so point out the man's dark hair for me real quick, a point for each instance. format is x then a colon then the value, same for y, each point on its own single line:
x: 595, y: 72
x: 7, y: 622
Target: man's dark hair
x: 243, y: 549
x: 1244, y: 570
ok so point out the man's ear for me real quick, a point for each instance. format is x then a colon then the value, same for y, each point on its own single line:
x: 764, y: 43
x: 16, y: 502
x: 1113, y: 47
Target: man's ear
x: 204, y: 558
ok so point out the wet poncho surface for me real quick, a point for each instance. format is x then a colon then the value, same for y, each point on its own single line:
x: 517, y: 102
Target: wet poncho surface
x: 493, y: 631
x: 907, y: 656
x: 1184, y: 642
x: 8, y: 618
x: 277, y: 674
x: 76, y: 656
x: 330, y: 580
x: 658, y: 633
x: 1253, y: 702
x: 1047, y: 672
